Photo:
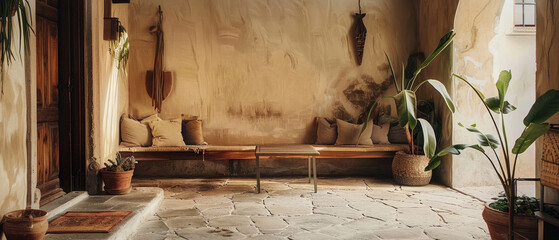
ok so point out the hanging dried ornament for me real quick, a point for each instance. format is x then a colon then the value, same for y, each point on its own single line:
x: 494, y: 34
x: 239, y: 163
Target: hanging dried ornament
x: 359, y: 35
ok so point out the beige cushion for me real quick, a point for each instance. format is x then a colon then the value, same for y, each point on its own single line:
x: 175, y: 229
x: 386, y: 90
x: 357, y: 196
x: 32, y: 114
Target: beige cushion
x: 134, y: 133
x: 166, y: 133
x: 192, y: 132
x: 380, y: 134
x: 151, y: 118
x: 326, y: 132
x: 348, y: 133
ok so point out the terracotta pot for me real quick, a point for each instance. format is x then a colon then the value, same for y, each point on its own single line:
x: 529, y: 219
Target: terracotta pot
x: 26, y: 224
x: 408, y: 169
x: 117, y: 182
x: 498, y: 225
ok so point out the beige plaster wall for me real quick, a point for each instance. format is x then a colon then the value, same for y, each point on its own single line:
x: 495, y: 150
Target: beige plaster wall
x: 107, y: 93
x: 436, y: 18
x: 547, y: 55
x: 260, y: 71
x: 475, y: 25
x: 14, y: 132
x: 516, y: 51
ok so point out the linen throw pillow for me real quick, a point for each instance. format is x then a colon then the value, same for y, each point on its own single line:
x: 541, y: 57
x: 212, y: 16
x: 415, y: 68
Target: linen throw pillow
x: 348, y: 133
x: 135, y: 133
x: 326, y: 132
x: 380, y: 134
x: 166, y: 133
x: 192, y: 132
x: 397, y: 134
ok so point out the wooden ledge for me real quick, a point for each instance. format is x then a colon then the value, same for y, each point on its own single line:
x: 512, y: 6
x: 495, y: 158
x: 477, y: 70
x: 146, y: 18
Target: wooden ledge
x: 216, y: 152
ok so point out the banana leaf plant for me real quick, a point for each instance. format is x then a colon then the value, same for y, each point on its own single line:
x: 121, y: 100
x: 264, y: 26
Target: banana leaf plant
x: 9, y: 9
x: 406, y: 100
x: 505, y: 165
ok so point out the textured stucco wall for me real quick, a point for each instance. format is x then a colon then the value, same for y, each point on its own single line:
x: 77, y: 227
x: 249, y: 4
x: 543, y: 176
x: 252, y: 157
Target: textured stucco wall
x: 436, y: 18
x: 475, y: 25
x: 107, y: 93
x: 14, y: 132
x: 260, y: 71
x: 517, y: 52
x: 547, y: 57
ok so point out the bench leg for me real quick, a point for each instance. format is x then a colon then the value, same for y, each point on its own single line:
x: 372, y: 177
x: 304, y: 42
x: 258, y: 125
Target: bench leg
x: 257, y: 175
x: 314, y: 171
x: 309, y: 168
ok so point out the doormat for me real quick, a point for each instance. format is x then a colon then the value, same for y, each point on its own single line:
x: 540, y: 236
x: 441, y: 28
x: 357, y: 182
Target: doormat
x: 87, y: 222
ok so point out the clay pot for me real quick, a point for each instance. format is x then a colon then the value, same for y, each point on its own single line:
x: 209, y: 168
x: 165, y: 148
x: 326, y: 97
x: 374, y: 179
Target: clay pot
x: 498, y: 224
x: 408, y: 169
x: 117, y: 182
x: 26, y: 224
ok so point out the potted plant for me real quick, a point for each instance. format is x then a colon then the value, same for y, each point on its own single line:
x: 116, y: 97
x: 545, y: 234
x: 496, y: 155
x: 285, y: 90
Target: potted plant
x: 25, y: 224
x: 120, y: 48
x: 9, y: 9
x: 407, y: 168
x: 504, y: 164
x: 118, y: 175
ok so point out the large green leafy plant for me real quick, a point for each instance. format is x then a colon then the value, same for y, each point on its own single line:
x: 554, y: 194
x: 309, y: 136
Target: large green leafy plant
x: 406, y: 100
x: 10, y: 11
x: 120, y: 48
x: 504, y: 164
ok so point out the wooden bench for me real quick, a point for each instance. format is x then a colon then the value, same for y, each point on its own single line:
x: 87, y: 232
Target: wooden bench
x: 213, y: 152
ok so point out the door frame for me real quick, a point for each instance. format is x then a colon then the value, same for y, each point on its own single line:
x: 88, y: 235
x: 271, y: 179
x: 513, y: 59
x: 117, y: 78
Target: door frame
x: 72, y: 88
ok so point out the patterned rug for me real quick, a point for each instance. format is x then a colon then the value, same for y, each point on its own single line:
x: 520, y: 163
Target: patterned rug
x: 87, y: 222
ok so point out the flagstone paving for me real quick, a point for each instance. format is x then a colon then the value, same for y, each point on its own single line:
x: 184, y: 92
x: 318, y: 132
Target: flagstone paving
x: 287, y: 208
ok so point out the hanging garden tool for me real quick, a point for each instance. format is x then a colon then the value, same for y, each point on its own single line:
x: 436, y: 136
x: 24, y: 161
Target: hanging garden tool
x: 158, y: 82
x: 359, y: 35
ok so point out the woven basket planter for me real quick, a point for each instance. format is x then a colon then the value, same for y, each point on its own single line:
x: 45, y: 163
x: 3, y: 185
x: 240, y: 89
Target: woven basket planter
x: 408, y: 169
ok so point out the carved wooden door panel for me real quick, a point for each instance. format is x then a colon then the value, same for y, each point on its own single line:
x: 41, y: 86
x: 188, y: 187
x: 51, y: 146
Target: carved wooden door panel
x: 48, y: 128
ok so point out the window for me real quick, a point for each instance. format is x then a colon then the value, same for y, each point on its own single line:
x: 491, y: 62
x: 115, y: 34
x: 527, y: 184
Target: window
x: 525, y: 13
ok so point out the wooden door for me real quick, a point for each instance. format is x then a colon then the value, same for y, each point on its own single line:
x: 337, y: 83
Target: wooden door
x: 48, y: 127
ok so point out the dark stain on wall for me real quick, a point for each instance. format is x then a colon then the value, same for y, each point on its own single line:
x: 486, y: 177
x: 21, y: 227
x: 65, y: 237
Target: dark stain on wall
x: 361, y: 93
x: 340, y: 112
x: 255, y: 111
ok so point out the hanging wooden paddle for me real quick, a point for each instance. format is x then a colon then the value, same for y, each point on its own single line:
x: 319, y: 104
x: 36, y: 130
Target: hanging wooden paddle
x: 359, y: 35
x: 158, y: 82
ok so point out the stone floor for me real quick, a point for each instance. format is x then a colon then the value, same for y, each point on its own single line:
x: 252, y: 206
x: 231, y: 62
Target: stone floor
x: 142, y: 202
x: 343, y: 208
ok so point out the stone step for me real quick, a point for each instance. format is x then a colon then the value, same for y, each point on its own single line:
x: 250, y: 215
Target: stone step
x: 143, y: 201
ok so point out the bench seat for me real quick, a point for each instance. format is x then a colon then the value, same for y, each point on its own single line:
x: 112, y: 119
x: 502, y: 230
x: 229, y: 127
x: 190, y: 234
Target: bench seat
x: 216, y: 152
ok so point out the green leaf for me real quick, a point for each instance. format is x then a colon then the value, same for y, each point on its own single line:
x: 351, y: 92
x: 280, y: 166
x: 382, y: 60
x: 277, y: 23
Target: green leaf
x: 469, y: 84
x: 404, y: 81
x: 529, y: 135
x: 407, y: 108
x: 486, y: 140
x: 429, y: 139
x: 493, y: 104
x: 545, y: 106
x: 443, y: 43
x: 502, y: 87
x: 454, y: 150
x: 392, y: 71
x: 442, y: 90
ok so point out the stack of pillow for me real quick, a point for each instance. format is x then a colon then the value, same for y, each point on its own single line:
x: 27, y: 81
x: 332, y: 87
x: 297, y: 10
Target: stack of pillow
x: 340, y: 132
x: 154, y: 131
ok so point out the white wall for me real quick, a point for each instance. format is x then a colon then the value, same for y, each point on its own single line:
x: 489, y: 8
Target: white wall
x: 516, y: 51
